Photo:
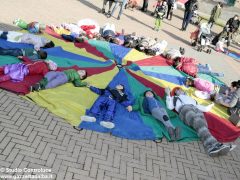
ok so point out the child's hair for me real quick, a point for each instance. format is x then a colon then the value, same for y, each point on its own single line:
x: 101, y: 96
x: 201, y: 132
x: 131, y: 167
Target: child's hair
x: 114, y: 40
x: 235, y: 84
x: 122, y: 86
x: 176, y: 61
x: 108, y: 38
x: 182, y: 50
x: 42, y: 54
x: 189, y: 82
x: 49, y: 45
x: 148, y: 91
x: 85, y: 76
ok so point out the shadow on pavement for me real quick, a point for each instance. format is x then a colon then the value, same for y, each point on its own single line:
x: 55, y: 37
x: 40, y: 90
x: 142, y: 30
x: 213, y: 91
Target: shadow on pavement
x: 8, y: 27
x: 90, y: 5
x: 177, y: 37
x: 134, y: 19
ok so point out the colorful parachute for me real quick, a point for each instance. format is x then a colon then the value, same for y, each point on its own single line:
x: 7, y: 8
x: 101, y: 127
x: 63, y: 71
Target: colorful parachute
x: 139, y: 72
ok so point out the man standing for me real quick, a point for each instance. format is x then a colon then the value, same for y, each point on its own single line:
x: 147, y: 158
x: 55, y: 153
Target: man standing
x: 190, y: 7
x: 215, y: 14
x: 170, y: 4
x: 145, y: 6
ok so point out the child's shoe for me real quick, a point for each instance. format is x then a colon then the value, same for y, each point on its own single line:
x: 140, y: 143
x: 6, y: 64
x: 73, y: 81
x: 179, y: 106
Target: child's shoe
x: 108, y: 15
x: 88, y: 118
x: 171, y: 133
x: 107, y: 124
x: 15, y: 21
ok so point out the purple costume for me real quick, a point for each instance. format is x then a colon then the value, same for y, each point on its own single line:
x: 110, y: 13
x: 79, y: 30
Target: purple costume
x: 17, y: 72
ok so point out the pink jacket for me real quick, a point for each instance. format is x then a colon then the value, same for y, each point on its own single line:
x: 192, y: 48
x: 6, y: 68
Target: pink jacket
x: 203, y: 85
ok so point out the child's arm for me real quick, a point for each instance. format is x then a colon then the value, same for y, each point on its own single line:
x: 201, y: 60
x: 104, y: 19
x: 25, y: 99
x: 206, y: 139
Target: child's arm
x: 79, y: 83
x: 169, y: 99
x: 136, y: 106
x: 25, y: 59
x: 205, y: 108
x: 96, y: 90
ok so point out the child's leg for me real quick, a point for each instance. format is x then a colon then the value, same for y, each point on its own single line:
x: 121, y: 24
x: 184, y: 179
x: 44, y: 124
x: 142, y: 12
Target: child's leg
x: 96, y: 107
x: 157, y: 23
x: 59, y: 78
x: 4, y: 78
x: 111, y: 104
x: 206, y: 70
x: 20, y: 23
x: 11, y: 52
x: 161, y: 115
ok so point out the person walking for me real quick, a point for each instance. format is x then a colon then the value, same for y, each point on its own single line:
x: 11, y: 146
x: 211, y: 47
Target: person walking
x: 215, y: 14
x: 170, y: 4
x: 145, y: 6
x: 190, y: 7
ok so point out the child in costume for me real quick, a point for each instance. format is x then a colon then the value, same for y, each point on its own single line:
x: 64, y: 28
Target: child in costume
x: 37, y: 41
x: 17, y: 72
x: 32, y: 27
x: 56, y: 78
x: 108, y: 100
x: 191, y: 113
x: 149, y: 104
x: 28, y: 52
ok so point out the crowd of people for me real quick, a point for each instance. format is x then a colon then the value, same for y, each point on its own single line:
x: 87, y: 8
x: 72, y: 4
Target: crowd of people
x: 190, y: 112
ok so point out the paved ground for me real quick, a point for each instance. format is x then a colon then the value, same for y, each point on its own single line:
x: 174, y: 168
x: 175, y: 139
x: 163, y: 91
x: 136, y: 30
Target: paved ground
x: 31, y: 137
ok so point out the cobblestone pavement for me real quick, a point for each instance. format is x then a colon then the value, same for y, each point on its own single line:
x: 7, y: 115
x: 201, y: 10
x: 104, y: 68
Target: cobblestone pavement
x: 31, y: 137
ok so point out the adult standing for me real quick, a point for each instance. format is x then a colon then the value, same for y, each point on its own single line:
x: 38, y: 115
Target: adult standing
x: 170, y: 4
x: 121, y: 4
x: 110, y: 2
x: 145, y: 6
x: 190, y: 7
x: 215, y: 13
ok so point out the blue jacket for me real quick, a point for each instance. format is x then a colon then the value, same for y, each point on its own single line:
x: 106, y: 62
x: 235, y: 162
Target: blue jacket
x: 112, y: 93
x: 150, y: 103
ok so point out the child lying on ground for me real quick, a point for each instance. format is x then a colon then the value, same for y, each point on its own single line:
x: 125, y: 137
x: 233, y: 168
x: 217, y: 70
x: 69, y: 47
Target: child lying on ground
x: 37, y: 41
x: 108, y: 100
x: 54, y: 79
x: 149, y: 104
x: 17, y: 72
x: 28, y: 52
x: 191, y: 67
x: 174, y: 53
x: 191, y: 113
x: 33, y: 27
x: 205, y: 89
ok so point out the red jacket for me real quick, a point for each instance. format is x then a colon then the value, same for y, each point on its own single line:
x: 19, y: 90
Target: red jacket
x: 36, y: 67
x: 188, y: 66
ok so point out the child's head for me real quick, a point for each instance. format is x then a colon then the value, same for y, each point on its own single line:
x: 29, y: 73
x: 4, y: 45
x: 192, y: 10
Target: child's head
x: 189, y: 82
x: 177, y: 91
x: 82, y: 74
x: 176, y: 61
x: 51, y: 65
x: 42, y: 54
x: 114, y: 40
x: 120, y: 87
x: 182, y: 50
x: 149, y: 94
x: 236, y: 17
x: 235, y: 85
x: 49, y: 45
x: 42, y: 27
